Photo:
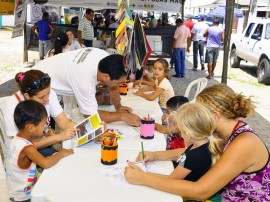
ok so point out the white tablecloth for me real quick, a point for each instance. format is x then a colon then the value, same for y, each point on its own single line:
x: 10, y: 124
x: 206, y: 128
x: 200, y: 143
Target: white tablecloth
x: 79, y: 177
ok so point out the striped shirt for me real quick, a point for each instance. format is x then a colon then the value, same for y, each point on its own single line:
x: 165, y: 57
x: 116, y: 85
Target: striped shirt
x: 87, y: 29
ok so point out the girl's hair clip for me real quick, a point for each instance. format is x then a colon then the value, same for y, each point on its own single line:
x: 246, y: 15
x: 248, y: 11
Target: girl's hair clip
x: 20, y: 77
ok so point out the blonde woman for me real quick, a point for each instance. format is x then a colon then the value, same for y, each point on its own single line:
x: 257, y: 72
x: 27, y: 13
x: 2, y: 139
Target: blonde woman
x: 242, y: 172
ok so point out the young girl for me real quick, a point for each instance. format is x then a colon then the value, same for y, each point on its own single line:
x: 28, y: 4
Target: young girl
x: 22, y: 157
x: 162, y: 86
x: 196, y: 125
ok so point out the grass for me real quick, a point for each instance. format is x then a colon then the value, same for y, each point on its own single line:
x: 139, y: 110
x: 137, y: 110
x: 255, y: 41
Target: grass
x: 235, y: 77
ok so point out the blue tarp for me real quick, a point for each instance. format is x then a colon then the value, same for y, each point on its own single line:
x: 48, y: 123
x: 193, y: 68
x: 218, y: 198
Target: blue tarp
x: 221, y: 10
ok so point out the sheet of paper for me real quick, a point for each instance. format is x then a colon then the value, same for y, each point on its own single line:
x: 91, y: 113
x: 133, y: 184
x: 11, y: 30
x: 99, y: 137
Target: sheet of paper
x: 115, y: 173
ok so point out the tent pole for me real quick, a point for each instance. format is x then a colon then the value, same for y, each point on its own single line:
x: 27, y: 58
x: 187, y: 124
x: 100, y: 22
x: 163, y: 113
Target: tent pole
x: 183, y: 10
x: 228, y: 30
x: 25, y: 52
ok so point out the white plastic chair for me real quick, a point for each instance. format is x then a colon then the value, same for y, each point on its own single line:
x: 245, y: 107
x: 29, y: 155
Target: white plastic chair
x: 4, y: 195
x: 98, y: 44
x: 199, y: 83
x: 111, y: 51
x: 3, y: 128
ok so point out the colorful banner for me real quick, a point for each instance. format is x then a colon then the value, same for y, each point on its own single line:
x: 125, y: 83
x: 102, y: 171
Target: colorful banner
x: 7, y: 7
x: 20, y: 16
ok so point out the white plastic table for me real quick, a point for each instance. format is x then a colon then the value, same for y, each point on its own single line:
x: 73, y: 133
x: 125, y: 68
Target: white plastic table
x: 79, y: 177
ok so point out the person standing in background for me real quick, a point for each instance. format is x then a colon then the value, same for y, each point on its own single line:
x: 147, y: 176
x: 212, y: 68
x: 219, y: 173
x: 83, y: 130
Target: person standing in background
x: 181, y: 35
x: 86, y: 28
x: 214, y: 35
x: 189, y: 23
x: 199, y: 40
x: 153, y: 22
x: 44, y: 32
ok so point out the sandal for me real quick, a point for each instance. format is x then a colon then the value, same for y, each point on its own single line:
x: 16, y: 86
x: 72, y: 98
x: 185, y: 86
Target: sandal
x: 208, y: 77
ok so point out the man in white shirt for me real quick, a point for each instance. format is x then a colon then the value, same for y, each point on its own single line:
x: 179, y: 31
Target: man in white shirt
x: 197, y: 35
x: 78, y: 72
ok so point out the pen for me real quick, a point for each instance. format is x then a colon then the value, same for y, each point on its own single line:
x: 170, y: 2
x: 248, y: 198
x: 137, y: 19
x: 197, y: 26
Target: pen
x: 142, y: 150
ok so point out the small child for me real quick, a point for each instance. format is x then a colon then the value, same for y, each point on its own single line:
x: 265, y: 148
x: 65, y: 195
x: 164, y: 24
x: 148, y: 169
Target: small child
x: 22, y: 156
x: 162, y: 87
x: 174, y: 138
x: 196, y: 124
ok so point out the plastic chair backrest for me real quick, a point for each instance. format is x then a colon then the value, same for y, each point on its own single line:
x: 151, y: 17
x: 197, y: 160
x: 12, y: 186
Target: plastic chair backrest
x: 199, y: 83
x: 3, y: 128
x: 98, y: 44
x: 111, y: 51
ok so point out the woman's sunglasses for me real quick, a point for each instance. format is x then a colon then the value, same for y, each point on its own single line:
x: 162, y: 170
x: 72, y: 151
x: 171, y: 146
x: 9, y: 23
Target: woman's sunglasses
x: 39, y: 83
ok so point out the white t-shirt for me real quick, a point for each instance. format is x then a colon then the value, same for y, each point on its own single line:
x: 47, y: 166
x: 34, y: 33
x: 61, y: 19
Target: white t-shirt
x: 20, y: 181
x: 53, y: 109
x: 75, y: 73
x: 167, y: 93
x: 198, y: 30
x: 74, y: 45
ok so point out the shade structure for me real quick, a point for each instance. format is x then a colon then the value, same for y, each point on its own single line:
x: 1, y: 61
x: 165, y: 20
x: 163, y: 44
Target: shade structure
x: 221, y: 10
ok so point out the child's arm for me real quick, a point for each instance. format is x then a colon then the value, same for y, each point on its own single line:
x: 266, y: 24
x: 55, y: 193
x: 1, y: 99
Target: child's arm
x: 49, y: 140
x: 151, y: 96
x: 178, y: 173
x: 162, y: 129
x: 151, y: 84
x: 45, y: 162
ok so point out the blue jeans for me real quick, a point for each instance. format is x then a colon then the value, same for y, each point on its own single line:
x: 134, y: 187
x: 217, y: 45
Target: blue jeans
x: 47, y: 151
x: 198, y: 46
x: 179, y: 61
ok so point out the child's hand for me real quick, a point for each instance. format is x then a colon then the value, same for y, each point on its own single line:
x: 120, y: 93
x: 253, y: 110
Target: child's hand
x: 133, y: 174
x: 164, y: 118
x: 67, y: 134
x: 66, y: 152
x: 148, y: 156
x: 137, y: 83
x: 138, y: 92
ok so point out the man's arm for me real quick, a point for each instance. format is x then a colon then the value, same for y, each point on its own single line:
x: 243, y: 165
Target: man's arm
x: 206, y: 33
x: 129, y: 118
x: 52, y: 30
x: 80, y: 37
x: 34, y: 28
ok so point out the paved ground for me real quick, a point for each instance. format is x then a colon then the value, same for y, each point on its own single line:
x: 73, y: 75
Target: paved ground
x: 241, y: 80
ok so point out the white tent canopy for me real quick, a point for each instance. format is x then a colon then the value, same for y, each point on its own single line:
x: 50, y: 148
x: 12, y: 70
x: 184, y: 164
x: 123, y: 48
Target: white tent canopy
x: 160, y: 5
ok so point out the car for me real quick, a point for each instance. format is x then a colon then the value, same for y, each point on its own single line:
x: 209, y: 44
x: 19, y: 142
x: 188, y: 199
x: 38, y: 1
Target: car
x: 253, y: 46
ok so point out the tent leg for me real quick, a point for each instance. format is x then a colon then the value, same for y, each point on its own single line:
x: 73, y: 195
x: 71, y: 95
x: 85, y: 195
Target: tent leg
x: 227, y: 38
x: 25, y: 52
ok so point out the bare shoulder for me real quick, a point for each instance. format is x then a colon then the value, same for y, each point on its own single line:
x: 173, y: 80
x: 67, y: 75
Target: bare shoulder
x: 249, y: 149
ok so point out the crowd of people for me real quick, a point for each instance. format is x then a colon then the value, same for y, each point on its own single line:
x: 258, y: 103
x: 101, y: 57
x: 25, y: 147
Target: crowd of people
x: 216, y: 155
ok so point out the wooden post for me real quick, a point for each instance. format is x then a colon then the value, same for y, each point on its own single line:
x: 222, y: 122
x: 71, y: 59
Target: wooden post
x: 227, y: 39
